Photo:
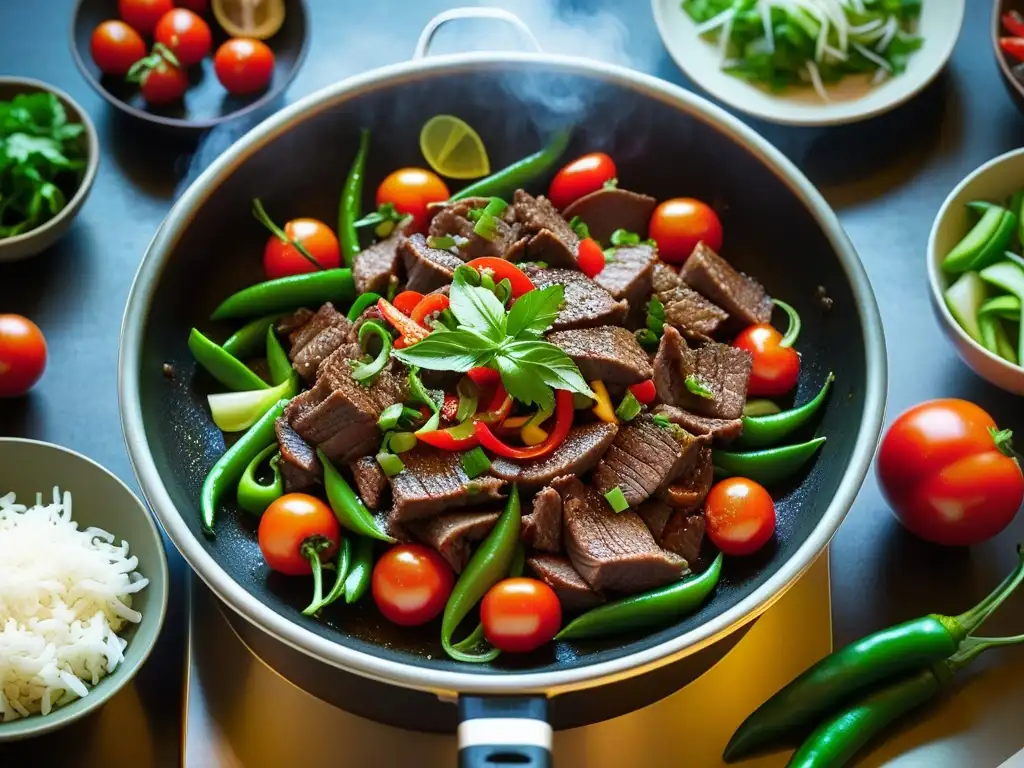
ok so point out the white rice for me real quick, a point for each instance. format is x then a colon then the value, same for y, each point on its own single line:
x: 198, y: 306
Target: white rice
x: 64, y: 595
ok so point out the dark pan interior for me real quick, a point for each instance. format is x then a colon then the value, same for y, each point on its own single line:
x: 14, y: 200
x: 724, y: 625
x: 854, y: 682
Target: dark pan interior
x: 658, y: 149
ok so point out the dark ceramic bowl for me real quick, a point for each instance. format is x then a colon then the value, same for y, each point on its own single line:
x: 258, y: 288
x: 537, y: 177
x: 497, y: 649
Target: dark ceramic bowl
x: 206, y: 102
x: 1011, y: 72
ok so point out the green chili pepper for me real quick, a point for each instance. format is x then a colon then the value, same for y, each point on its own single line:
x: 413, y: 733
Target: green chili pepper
x: 657, y: 607
x: 340, y: 575
x: 228, y: 370
x: 768, y: 466
x: 859, y: 666
x: 365, y: 373
x: 253, y: 496
x: 519, y: 174
x: 284, y: 293
x: 490, y: 564
x: 248, y: 340
x: 985, y: 243
x: 760, y: 406
x: 229, y: 468
x: 351, y: 202
x: 362, y: 302
x: 762, y: 431
x: 347, y: 506
x: 277, y: 359
x: 476, y: 644
x: 360, y: 574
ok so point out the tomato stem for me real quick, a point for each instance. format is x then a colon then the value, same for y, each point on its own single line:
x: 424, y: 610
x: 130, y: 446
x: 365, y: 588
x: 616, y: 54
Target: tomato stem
x: 311, y: 549
x: 1003, y: 439
x: 976, y: 616
x: 793, y: 331
x: 261, y: 216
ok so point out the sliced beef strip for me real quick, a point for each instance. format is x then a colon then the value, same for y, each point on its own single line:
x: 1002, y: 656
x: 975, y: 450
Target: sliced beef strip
x: 587, y: 305
x: 433, y: 481
x: 291, y: 322
x: 316, y: 340
x: 723, y: 430
x: 646, y: 458
x: 741, y: 296
x: 722, y: 369
x: 453, y: 219
x: 373, y: 267
x: 300, y: 468
x: 694, y: 316
x: 613, y: 550
x: 451, y: 534
x: 628, y: 275
x: 574, y: 594
x: 371, y: 482
x: 426, y: 268
x: 542, y: 528
x: 675, y: 530
x: 611, y: 208
x: 687, y: 494
x: 579, y: 452
x: 610, y: 353
x: 545, y: 247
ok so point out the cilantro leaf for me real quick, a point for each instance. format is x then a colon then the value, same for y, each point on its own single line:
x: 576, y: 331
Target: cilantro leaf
x: 477, y: 309
x: 534, y: 312
x: 445, y: 350
x: 548, y: 363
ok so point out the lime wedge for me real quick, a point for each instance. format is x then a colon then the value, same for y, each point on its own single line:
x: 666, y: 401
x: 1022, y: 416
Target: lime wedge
x: 259, y: 19
x: 453, y: 148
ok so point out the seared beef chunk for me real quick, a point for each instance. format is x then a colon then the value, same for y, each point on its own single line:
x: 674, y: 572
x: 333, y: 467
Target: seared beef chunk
x: 720, y: 368
x: 578, y: 453
x: 610, y: 353
x: 574, y: 594
x: 453, y: 219
x: 694, y: 316
x: 451, y: 534
x: 723, y: 430
x: 542, y: 528
x: 371, y: 482
x: 687, y: 494
x: 627, y: 275
x: 327, y: 330
x: 611, y: 208
x: 291, y: 322
x: 613, y: 550
x: 645, y: 458
x: 544, y: 246
x: 374, y: 267
x: 339, y: 415
x: 300, y: 468
x: 587, y: 305
x: 433, y: 481
x: 674, y: 529
x: 426, y: 268
x: 536, y: 214
x: 742, y: 297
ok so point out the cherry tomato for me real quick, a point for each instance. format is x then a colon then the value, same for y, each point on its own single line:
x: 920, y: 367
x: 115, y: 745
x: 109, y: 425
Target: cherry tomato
x: 740, y: 516
x: 645, y: 391
x: 115, y: 47
x: 164, y: 83
x: 143, y: 15
x: 185, y: 34
x: 290, y: 522
x: 429, y: 305
x: 678, y: 225
x: 590, y: 258
x: 411, y: 584
x: 581, y: 177
x: 945, y: 475
x: 776, y: 369
x: 410, y: 190
x: 22, y: 355
x: 244, y: 65
x: 1013, y: 47
x: 520, y: 615
x: 196, y: 6
x: 283, y: 259
x: 406, y: 301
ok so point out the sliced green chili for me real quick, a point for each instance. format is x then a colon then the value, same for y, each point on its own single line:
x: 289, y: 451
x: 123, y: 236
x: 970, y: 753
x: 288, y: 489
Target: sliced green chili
x: 361, y: 304
x: 768, y: 466
x: 1006, y: 307
x: 390, y: 464
x: 348, y: 507
x: 519, y: 174
x: 351, y: 203
x: 249, y: 340
x: 616, y: 500
x: 793, y: 331
x: 341, y: 568
x: 365, y: 373
x: 228, y: 370
x: 285, y: 293
x: 277, y: 359
x: 985, y: 243
x: 360, y: 574
x: 629, y: 407
x: 388, y: 418
x: 402, y: 442
x: 253, y: 496
x: 475, y: 462
x: 772, y: 429
x: 697, y: 387
x: 760, y: 407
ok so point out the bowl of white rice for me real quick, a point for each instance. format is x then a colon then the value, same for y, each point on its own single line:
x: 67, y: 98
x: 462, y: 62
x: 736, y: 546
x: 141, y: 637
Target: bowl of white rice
x: 83, y: 586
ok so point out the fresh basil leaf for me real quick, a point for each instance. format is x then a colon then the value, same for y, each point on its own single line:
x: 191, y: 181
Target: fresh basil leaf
x: 548, y: 363
x: 445, y: 350
x: 523, y: 384
x: 534, y: 312
x: 579, y: 226
x: 697, y: 387
x: 477, y: 308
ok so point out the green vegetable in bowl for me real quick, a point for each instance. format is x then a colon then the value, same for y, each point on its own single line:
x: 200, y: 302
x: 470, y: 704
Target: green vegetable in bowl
x: 1008, y: 276
x: 964, y: 299
x: 41, y: 161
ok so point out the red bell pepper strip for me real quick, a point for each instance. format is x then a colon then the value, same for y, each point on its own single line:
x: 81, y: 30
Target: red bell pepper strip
x: 502, y: 269
x: 410, y: 331
x: 450, y: 408
x: 499, y: 408
x: 1013, y: 46
x: 406, y: 301
x: 1014, y: 23
x: 484, y: 377
x: 563, y: 423
x: 452, y: 439
x: 590, y: 258
x: 644, y: 392
x: 428, y: 305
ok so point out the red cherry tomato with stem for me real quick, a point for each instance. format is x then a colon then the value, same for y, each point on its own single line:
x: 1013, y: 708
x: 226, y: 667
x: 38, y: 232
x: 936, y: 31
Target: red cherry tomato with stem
x: 677, y: 226
x: 740, y: 516
x: 143, y: 15
x: 411, y: 584
x: 281, y: 258
x: 185, y: 34
x: 520, y: 615
x: 244, y: 65
x: 115, y: 46
x: 22, y: 355
x: 294, y: 529
x: 590, y: 257
x: 411, y: 190
x: 164, y: 84
x: 776, y: 365
x: 949, y: 475
x: 581, y: 177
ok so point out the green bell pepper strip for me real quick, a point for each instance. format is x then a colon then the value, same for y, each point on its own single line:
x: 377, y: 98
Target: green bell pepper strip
x: 249, y: 340
x: 506, y: 181
x: 341, y: 568
x: 768, y: 466
x: 655, y: 608
x: 357, y: 583
x: 227, y: 470
x: 348, y: 507
x: 277, y: 359
x: 253, y: 496
x: 225, y: 368
x: 365, y: 373
x: 351, y: 202
x: 286, y: 293
x: 985, y: 243
x: 772, y: 429
x: 860, y: 666
x: 489, y: 564
x: 476, y: 644
x: 360, y: 305
x: 1009, y: 276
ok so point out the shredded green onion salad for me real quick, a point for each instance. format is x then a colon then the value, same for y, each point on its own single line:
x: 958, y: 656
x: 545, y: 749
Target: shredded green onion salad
x: 782, y: 43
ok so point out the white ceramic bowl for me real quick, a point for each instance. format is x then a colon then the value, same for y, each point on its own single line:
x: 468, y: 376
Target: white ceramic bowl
x: 851, y: 100
x: 996, y: 180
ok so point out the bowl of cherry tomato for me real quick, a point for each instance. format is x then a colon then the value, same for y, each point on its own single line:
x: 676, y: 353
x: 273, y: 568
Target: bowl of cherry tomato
x: 1008, y: 46
x: 172, y: 63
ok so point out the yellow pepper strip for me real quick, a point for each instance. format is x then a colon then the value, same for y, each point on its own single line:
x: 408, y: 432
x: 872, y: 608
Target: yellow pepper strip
x: 517, y: 422
x: 603, y: 408
x: 533, y: 435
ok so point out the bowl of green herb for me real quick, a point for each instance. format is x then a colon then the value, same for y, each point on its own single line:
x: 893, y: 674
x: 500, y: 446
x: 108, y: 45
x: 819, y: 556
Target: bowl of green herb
x: 48, y: 159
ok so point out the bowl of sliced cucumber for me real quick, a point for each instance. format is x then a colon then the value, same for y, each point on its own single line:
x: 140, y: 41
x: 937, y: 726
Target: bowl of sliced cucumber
x: 976, y: 270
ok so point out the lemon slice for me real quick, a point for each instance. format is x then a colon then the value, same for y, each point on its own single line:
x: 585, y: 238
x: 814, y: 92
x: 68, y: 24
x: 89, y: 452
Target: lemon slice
x: 258, y: 19
x: 453, y: 148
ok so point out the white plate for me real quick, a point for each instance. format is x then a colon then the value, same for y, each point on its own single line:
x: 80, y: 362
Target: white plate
x: 852, y: 99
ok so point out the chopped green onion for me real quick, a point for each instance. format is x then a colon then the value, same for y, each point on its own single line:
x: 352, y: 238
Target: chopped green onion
x: 441, y: 242
x: 629, y: 408
x: 390, y: 464
x: 648, y: 339
x: 487, y: 227
x: 448, y: 320
x: 503, y: 290
x: 468, y: 397
x: 469, y: 275
x: 365, y: 373
x: 401, y: 442
x: 697, y: 387
x: 487, y: 280
x: 388, y: 418
x: 624, y: 237
x: 475, y: 462
x: 760, y: 407
x: 661, y: 420
x: 656, y: 316
x: 579, y: 226
x: 495, y: 207
x: 617, y: 500
x: 409, y: 418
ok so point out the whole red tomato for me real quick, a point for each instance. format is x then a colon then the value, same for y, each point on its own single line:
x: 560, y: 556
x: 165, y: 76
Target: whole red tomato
x: 410, y: 190
x: 520, y: 615
x: 283, y: 259
x: 244, y: 66
x: 677, y: 226
x: 740, y: 516
x: 186, y: 35
x: 115, y: 47
x: 776, y: 368
x: 948, y: 474
x: 22, y: 355
x: 163, y: 83
x: 143, y: 15
x: 411, y: 584
x: 581, y: 177
x: 295, y: 527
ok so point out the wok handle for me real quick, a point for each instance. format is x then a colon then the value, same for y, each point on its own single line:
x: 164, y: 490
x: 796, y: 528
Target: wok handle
x: 504, y: 730
x: 455, y: 14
